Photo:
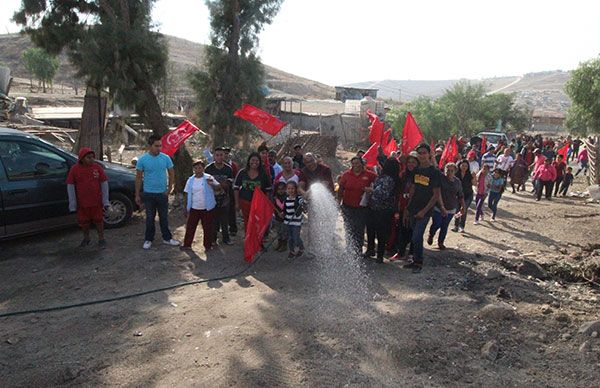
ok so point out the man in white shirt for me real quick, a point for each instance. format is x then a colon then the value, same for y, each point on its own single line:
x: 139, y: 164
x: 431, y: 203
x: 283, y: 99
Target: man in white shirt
x: 505, y: 161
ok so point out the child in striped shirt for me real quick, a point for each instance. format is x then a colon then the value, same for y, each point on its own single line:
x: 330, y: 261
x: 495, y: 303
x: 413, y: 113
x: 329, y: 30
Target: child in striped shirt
x: 292, y: 218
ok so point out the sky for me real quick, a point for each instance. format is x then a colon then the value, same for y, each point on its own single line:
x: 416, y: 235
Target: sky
x: 344, y: 41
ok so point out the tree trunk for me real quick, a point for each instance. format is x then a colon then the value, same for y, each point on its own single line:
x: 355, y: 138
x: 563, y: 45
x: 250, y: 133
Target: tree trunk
x: 93, y: 119
x: 154, y: 119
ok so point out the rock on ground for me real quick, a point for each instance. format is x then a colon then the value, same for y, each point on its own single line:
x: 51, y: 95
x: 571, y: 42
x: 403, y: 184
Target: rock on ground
x: 589, y: 327
x: 489, y: 351
x: 497, y: 311
x: 531, y: 268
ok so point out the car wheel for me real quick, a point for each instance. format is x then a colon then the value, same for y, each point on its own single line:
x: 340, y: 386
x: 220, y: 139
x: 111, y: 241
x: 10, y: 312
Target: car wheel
x: 119, y: 212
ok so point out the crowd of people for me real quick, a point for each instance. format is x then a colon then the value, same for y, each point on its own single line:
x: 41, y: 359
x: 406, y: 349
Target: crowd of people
x: 391, y: 204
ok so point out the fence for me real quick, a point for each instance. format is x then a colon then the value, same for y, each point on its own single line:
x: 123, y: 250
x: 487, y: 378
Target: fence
x: 594, y: 159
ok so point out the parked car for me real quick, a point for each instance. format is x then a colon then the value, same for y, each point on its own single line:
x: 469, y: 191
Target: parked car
x: 493, y: 138
x: 33, y: 192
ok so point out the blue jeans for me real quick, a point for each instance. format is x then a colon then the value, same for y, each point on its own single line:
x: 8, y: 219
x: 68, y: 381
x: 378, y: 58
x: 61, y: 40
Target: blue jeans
x: 294, y: 239
x: 154, y: 202
x: 418, y: 229
x: 462, y: 220
x: 440, y: 223
x: 493, y: 200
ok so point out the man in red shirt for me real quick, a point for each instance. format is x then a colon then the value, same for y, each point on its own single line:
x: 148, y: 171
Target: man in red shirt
x: 87, y: 187
x: 353, y: 183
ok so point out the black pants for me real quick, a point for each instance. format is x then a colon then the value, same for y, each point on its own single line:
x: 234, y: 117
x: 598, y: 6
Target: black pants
x: 564, y: 188
x: 544, y: 185
x: 233, y: 229
x: 379, y: 226
x: 355, y: 221
x: 403, y: 237
x: 557, y: 183
x: 221, y: 223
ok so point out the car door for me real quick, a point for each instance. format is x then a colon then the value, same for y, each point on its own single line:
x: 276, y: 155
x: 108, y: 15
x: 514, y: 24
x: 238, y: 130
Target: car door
x: 35, y: 194
x: 2, y: 183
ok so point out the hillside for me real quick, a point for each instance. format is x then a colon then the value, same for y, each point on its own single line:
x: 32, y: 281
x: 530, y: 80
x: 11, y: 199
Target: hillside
x: 184, y: 56
x: 541, y: 91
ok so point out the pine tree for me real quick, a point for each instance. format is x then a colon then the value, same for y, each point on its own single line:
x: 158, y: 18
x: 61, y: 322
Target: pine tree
x: 233, y: 72
x: 118, y: 50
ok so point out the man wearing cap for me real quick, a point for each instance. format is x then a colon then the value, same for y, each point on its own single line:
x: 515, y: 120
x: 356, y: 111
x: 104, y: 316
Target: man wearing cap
x: 298, y: 157
x: 232, y: 213
x: 222, y: 173
x: 424, y: 194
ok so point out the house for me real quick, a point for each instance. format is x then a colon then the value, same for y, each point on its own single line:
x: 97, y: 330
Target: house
x: 343, y: 93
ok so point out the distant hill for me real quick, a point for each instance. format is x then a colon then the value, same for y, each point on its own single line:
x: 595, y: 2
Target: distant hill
x: 184, y: 55
x: 542, y: 91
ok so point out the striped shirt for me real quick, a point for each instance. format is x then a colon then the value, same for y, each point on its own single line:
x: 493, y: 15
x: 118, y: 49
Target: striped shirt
x: 293, y: 211
x: 488, y: 159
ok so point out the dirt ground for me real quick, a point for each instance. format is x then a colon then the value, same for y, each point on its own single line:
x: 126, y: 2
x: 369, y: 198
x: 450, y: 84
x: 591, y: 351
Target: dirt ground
x: 283, y: 323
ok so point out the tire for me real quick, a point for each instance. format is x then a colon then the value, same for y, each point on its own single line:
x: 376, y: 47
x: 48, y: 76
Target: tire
x: 121, y: 210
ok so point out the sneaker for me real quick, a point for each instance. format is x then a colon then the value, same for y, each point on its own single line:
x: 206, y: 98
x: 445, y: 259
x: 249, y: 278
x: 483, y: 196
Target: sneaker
x: 493, y: 219
x: 397, y: 257
x: 441, y: 246
x: 369, y: 254
x: 455, y: 229
x: 415, y: 267
x: 228, y: 242
x: 461, y: 230
x: 172, y: 242
x: 300, y: 253
x: 475, y: 222
x: 84, y: 243
x: 147, y: 245
x: 102, y: 244
x: 429, y: 240
x: 291, y: 255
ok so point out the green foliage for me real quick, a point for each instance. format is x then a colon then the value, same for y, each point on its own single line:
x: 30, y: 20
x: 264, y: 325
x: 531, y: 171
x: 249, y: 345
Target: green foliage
x: 464, y: 109
x: 40, y: 65
x: 110, y: 42
x: 233, y: 73
x: 584, y: 90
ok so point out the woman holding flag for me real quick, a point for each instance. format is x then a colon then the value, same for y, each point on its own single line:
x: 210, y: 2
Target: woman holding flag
x: 250, y: 177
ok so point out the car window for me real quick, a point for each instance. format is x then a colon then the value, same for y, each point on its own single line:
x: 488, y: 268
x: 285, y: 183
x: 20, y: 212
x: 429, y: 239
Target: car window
x: 23, y: 160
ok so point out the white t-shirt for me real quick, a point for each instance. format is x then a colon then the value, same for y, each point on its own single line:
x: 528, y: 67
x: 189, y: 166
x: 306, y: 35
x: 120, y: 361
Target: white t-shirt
x: 281, y: 178
x: 505, y: 162
x: 198, y: 197
x: 474, y: 166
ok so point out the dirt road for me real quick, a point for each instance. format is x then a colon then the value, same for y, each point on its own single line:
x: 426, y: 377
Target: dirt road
x: 284, y: 324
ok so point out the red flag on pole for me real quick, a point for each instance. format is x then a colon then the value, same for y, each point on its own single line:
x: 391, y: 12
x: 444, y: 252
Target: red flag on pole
x: 370, y: 156
x: 172, y: 140
x: 483, y: 149
x: 261, y: 119
x: 376, y: 131
x: 564, y: 151
x: 261, y: 213
x: 450, y: 152
x: 386, y: 136
x: 391, y: 146
x: 411, y: 134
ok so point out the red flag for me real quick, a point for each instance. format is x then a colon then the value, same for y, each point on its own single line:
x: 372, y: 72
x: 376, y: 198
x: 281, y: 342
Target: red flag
x: 261, y: 213
x: 483, y: 145
x: 172, y: 140
x: 261, y: 119
x: 564, y: 151
x: 386, y: 136
x: 376, y: 131
x: 370, y: 156
x: 450, y: 152
x: 411, y: 134
x: 391, y: 146
x: 372, y: 116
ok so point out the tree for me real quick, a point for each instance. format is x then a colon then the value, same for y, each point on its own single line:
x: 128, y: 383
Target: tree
x: 112, y: 45
x: 41, y: 65
x: 233, y: 73
x: 584, y: 90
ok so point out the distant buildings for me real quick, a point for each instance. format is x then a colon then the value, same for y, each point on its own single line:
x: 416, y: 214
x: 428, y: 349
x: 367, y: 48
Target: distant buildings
x: 343, y: 93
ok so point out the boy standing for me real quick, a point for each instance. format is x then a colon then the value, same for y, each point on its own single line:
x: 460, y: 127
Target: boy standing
x: 152, y: 168
x: 87, y: 188
x: 567, y: 180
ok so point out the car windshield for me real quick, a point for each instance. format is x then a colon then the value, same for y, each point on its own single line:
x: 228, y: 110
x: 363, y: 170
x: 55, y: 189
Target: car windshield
x: 492, y: 138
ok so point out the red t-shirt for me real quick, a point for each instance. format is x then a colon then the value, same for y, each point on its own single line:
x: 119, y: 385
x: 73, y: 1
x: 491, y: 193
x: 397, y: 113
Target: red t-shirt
x: 87, y: 181
x: 354, y: 185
